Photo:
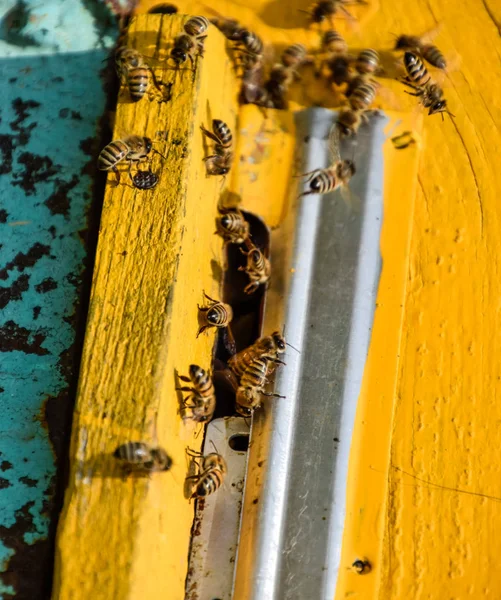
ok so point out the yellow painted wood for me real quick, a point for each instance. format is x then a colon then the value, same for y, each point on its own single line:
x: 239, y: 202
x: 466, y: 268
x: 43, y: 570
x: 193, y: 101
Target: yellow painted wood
x: 129, y: 538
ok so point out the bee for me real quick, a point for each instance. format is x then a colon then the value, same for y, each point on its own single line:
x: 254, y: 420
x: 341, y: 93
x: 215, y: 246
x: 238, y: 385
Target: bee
x: 339, y: 67
x: 367, y: 62
x: 278, y: 85
x: 250, y: 49
x: 253, y: 90
x: 220, y: 162
x: 421, y: 45
x: 142, y: 457
x: 133, y: 71
x: 269, y: 347
x: 349, y: 121
x: 202, y: 395
x: 362, y: 567
x: 326, y: 9
x: 211, y: 473
x: 233, y: 227
x: 333, y: 42
x: 337, y: 175
x: 430, y: 94
x: 361, y: 92
x: 294, y: 56
x: 144, y: 180
x: 133, y: 149
x: 258, y: 268
x: 251, y: 388
x: 218, y: 314
x: 190, y: 43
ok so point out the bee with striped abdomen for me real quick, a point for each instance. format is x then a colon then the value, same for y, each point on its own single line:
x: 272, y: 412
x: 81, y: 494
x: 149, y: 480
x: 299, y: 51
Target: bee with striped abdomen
x: 220, y: 162
x: 251, y: 388
x: 134, y: 72
x: 361, y: 93
x: 139, y: 456
x: 232, y: 227
x: 144, y: 180
x: 212, y: 470
x: 294, y: 56
x: 336, y: 176
x: 334, y: 43
x: 191, y: 43
x: 133, y: 149
x: 218, y: 314
x: 368, y: 62
x: 421, y: 44
x: 199, y: 406
x: 258, y: 268
x: 250, y: 48
x: 269, y: 347
x: 418, y: 79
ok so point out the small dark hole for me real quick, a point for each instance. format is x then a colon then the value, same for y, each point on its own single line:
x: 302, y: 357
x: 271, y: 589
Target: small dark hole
x: 239, y: 442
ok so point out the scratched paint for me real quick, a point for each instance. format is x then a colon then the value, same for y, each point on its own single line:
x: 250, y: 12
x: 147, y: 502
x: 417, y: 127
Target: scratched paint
x: 49, y: 115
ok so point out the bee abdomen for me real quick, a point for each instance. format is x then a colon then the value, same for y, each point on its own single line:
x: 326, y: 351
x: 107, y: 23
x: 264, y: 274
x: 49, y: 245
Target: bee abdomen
x: 218, y: 315
x: 362, y: 96
x: 223, y: 132
x: 209, y: 483
x: 252, y: 42
x: 334, y: 41
x: 196, y: 25
x: 433, y: 55
x: 415, y: 68
x: 132, y: 452
x: 112, y: 154
x: 138, y: 83
x: 367, y: 61
x: 323, y: 182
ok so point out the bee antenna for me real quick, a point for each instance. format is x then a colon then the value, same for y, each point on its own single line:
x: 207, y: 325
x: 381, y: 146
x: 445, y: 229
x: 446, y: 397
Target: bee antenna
x: 287, y: 343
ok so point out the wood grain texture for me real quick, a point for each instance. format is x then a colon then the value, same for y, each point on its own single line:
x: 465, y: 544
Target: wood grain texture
x: 438, y: 540
x: 129, y: 538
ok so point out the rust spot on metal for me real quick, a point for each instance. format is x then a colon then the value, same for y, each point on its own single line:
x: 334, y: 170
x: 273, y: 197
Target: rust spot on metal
x: 4, y: 483
x: 5, y: 465
x: 37, y: 169
x: 59, y: 202
x: 23, y: 261
x: 46, y: 285
x: 28, y: 481
x: 14, y: 291
x: 3, y: 216
x: 15, y: 337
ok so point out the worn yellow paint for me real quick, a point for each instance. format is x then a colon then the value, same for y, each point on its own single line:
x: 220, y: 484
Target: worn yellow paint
x: 424, y: 479
x: 129, y: 538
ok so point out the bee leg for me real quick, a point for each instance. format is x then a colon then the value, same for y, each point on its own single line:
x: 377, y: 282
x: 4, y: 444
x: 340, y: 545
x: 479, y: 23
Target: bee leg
x: 184, y: 378
x: 184, y: 389
x: 272, y: 395
x: 211, y: 299
x: 202, y: 329
x: 411, y: 94
x: 211, y: 135
x: 117, y: 173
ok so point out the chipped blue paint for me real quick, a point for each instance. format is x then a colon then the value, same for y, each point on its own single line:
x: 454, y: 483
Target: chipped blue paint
x: 49, y: 115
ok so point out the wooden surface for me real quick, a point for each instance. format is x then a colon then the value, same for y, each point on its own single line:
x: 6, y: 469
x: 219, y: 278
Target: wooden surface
x: 129, y: 538
x: 424, y: 479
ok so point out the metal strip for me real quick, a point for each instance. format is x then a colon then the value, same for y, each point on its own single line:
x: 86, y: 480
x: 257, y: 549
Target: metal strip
x: 291, y: 537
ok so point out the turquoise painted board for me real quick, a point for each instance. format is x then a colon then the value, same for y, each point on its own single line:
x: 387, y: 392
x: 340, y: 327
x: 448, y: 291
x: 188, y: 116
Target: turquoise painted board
x: 50, y: 110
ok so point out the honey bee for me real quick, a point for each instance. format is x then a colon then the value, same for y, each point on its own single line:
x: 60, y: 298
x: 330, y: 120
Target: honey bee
x: 144, y: 180
x: 349, y: 121
x: 362, y: 567
x: 220, y: 162
x: 361, y: 93
x: 133, y: 149
x: 199, y: 406
x: 258, y: 268
x: 269, y: 347
x: 252, y: 90
x: 233, y: 227
x: 339, y: 67
x: 140, y: 456
x: 326, y: 9
x: 251, y: 388
x: 294, y: 56
x: 420, y: 45
x: 218, y: 314
x: 278, y: 85
x: 211, y: 473
x: 338, y: 175
x: 368, y: 62
x: 430, y: 94
x: 134, y: 72
x: 333, y: 42
x: 190, y: 43
x: 250, y: 49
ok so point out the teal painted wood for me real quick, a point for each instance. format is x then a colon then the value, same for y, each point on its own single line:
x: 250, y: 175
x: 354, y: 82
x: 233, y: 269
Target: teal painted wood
x: 50, y: 107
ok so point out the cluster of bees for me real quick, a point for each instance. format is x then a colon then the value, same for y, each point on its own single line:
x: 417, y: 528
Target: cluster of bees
x: 248, y: 371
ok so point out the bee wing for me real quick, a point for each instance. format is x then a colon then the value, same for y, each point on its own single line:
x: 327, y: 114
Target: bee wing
x: 352, y: 201
x: 428, y: 36
x: 334, y: 140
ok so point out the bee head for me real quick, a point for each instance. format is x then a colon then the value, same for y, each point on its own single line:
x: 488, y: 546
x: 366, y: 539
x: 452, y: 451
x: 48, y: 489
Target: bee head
x: 148, y: 145
x: 225, y: 221
x: 279, y: 341
x: 224, y: 170
x: 438, y: 106
x: 178, y: 55
x: 196, y: 372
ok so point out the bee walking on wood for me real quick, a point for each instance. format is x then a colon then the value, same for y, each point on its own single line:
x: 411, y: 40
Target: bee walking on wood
x: 218, y: 314
x: 139, y: 456
x: 199, y: 406
x: 421, y: 44
x: 338, y: 175
x: 334, y: 43
x: 258, y: 268
x: 326, y: 10
x: 429, y: 93
x: 250, y: 49
x: 233, y: 227
x: 191, y: 43
x: 251, y: 388
x: 133, y: 149
x: 134, y: 72
x: 368, y: 62
x: 220, y: 162
x: 212, y: 470
x: 270, y: 347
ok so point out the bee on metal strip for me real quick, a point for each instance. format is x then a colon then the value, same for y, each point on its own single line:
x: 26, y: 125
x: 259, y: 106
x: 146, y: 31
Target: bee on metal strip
x: 218, y: 314
x: 191, y: 43
x: 337, y: 176
x: 219, y: 163
x: 139, y: 456
x: 270, y: 347
x: 233, y: 227
x: 251, y: 388
x: 361, y: 93
x: 133, y: 148
x: 258, y: 268
x: 199, y: 406
x: 212, y: 470
x: 418, y: 79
